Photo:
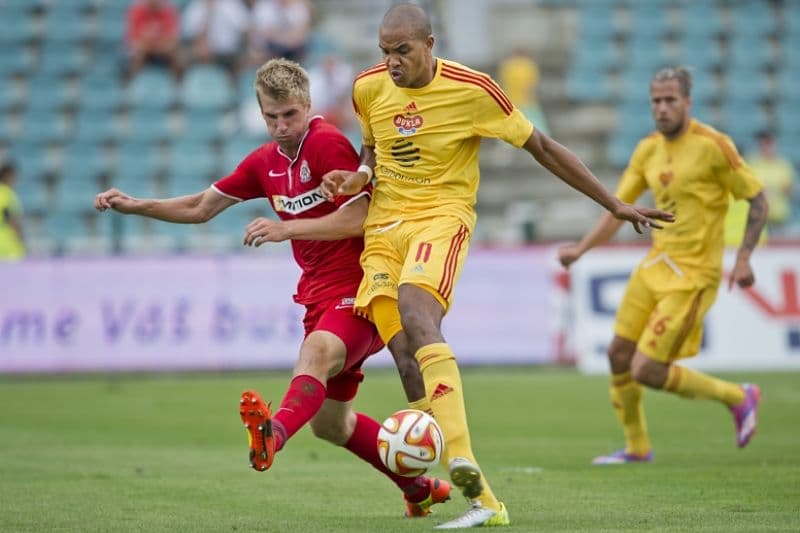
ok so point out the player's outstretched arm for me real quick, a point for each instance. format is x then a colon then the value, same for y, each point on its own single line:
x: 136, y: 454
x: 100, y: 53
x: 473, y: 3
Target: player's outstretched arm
x: 564, y: 164
x: 344, y: 223
x: 348, y: 182
x: 602, y: 232
x: 191, y: 209
x: 742, y: 273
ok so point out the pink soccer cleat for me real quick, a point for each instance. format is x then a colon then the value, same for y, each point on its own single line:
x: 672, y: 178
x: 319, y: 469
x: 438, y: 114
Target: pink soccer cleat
x: 745, y: 415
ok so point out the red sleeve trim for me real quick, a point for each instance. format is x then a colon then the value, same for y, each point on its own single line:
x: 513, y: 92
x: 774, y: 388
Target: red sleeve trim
x: 482, y: 81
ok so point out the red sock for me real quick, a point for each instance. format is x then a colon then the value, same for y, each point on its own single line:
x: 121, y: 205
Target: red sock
x: 364, y: 443
x: 300, y: 403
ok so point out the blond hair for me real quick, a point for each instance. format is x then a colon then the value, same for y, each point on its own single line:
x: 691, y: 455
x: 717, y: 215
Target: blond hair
x: 682, y: 74
x: 281, y: 79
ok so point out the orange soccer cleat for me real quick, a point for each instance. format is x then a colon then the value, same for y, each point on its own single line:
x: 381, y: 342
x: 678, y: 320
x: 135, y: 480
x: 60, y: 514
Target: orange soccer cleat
x: 440, y: 493
x: 257, y: 419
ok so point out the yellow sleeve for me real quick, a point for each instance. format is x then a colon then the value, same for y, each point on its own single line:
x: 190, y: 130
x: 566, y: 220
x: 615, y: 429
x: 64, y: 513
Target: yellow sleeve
x: 632, y: 183
x: 361, y: 107
x: 734, y: 173
x: 493, y: 115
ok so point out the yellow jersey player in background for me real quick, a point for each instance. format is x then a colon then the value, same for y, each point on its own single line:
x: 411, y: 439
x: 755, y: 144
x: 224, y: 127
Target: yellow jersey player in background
x: 12, y: 245
x: 691, y: 169
x: 422, y: 119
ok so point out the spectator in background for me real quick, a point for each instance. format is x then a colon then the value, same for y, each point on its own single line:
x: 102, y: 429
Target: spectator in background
x: 331, y: 85
x: 152, y: 34
x: 519, y: 77
x: 11, y: 243
x: 281, y: 28
x: 777, y: 175
x: 215, y: 30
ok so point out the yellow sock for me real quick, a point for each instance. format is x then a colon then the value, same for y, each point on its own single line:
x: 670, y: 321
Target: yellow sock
x: 443, y: 387
x: 421, y: 405
x: 626, y: 398
x: 693, y: 384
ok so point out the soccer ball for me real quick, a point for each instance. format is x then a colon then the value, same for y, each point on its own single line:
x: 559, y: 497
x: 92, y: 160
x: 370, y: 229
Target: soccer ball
x: 410, y: 442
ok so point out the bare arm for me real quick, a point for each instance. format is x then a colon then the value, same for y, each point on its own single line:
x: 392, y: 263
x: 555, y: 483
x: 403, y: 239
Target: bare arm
x: 602, y: 232
x: 344, y: 223
x: 191, y: 209
x: 742, y: 273
x: 564, y: 164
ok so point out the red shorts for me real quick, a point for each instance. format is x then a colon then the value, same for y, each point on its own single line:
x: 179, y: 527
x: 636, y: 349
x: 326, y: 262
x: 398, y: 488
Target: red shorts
x: 359, y: 336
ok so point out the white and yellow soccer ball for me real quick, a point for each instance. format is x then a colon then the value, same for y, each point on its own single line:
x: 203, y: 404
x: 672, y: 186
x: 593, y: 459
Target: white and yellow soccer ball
x: 410, y: 442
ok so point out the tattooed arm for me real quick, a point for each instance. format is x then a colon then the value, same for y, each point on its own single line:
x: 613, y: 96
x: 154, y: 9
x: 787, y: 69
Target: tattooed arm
x: 742, y: 273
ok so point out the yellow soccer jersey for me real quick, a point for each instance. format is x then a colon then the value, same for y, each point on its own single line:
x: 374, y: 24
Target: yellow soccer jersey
x: 691, y: 176
x: 10, y: 245
x: 427, y: 140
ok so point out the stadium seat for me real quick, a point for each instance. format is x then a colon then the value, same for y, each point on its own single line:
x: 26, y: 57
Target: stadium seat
x: 43, y: 127
x: 16, y: 28
x: 699, y: 51
x: 701, y: 19
x: 192, y: 167
x: 588, y: 86
x: 649, y: 18
x: 21, y: 62
x: 10, y: 97
x: 199, y: 124
x: 65, y: 23
x: 594, y: 54
x: 753, y: 52
x: 148, y: 125
x: 237, y: 148
x: 47, y: 93
x: 101, y: 93
x: 58, y: 59
x: 136, y: 168
x: 152, y: 88
x: 96, y: 126
x: 753, y: 19
x: 206, y: 87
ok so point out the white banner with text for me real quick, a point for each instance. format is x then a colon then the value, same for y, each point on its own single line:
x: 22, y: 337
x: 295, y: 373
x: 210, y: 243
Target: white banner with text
x: 754, y: 329
x: 194, y: 313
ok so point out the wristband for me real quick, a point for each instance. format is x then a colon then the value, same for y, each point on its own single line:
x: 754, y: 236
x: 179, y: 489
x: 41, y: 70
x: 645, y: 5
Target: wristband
x: 366, y: 170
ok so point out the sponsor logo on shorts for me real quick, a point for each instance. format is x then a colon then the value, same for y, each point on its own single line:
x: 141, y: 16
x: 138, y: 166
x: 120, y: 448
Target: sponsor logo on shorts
x: 381, y: 284
x: 380, y: 276
x: 346, y: 303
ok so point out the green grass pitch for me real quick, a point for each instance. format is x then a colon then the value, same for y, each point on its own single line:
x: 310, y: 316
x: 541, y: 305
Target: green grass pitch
x: 168, y: 453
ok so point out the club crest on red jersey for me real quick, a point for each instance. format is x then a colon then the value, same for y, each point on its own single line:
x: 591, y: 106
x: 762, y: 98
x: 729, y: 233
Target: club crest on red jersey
x: 305, y: 172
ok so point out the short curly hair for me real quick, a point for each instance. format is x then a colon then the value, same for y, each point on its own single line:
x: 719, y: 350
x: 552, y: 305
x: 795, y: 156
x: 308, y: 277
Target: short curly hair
x: 682, y: 74
x: 281, y: 79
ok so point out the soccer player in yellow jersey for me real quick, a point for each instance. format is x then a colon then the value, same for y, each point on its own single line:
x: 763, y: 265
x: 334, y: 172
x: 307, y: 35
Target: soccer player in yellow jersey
x: 12, y: 246
x: 691, y: 170
x: 422, y: 119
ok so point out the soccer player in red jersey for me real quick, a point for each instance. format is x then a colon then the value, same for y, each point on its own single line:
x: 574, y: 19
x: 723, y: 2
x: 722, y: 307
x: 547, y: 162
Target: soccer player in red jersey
x: 326, y: 241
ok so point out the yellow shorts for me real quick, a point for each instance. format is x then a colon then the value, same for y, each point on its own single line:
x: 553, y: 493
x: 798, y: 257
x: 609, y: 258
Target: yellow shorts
x: 428, y: 253
x: 663, y: 310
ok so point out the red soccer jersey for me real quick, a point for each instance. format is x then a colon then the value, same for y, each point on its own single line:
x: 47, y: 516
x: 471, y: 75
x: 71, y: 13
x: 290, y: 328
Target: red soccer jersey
x: 293, y: 187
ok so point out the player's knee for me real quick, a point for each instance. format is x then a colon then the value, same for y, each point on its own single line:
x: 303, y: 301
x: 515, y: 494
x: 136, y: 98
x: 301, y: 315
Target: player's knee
x: 620, y: 354
x: 333, y: 431
x: 319, y: 358
x: 647, y: 372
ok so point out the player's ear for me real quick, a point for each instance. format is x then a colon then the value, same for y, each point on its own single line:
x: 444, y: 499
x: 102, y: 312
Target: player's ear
x: 429, y: 42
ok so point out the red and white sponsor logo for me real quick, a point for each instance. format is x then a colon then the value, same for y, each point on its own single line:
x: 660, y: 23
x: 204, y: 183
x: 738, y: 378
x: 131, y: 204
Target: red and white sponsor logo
x: 408, y: 123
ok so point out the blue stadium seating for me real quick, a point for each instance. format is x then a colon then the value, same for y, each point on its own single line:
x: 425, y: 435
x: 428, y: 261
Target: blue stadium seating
x: 207, y: 87
x: 152, y: 88
x: 148, y: 125
x: 43, y: 126
x: 96, y: 126
x: 203, y: 124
